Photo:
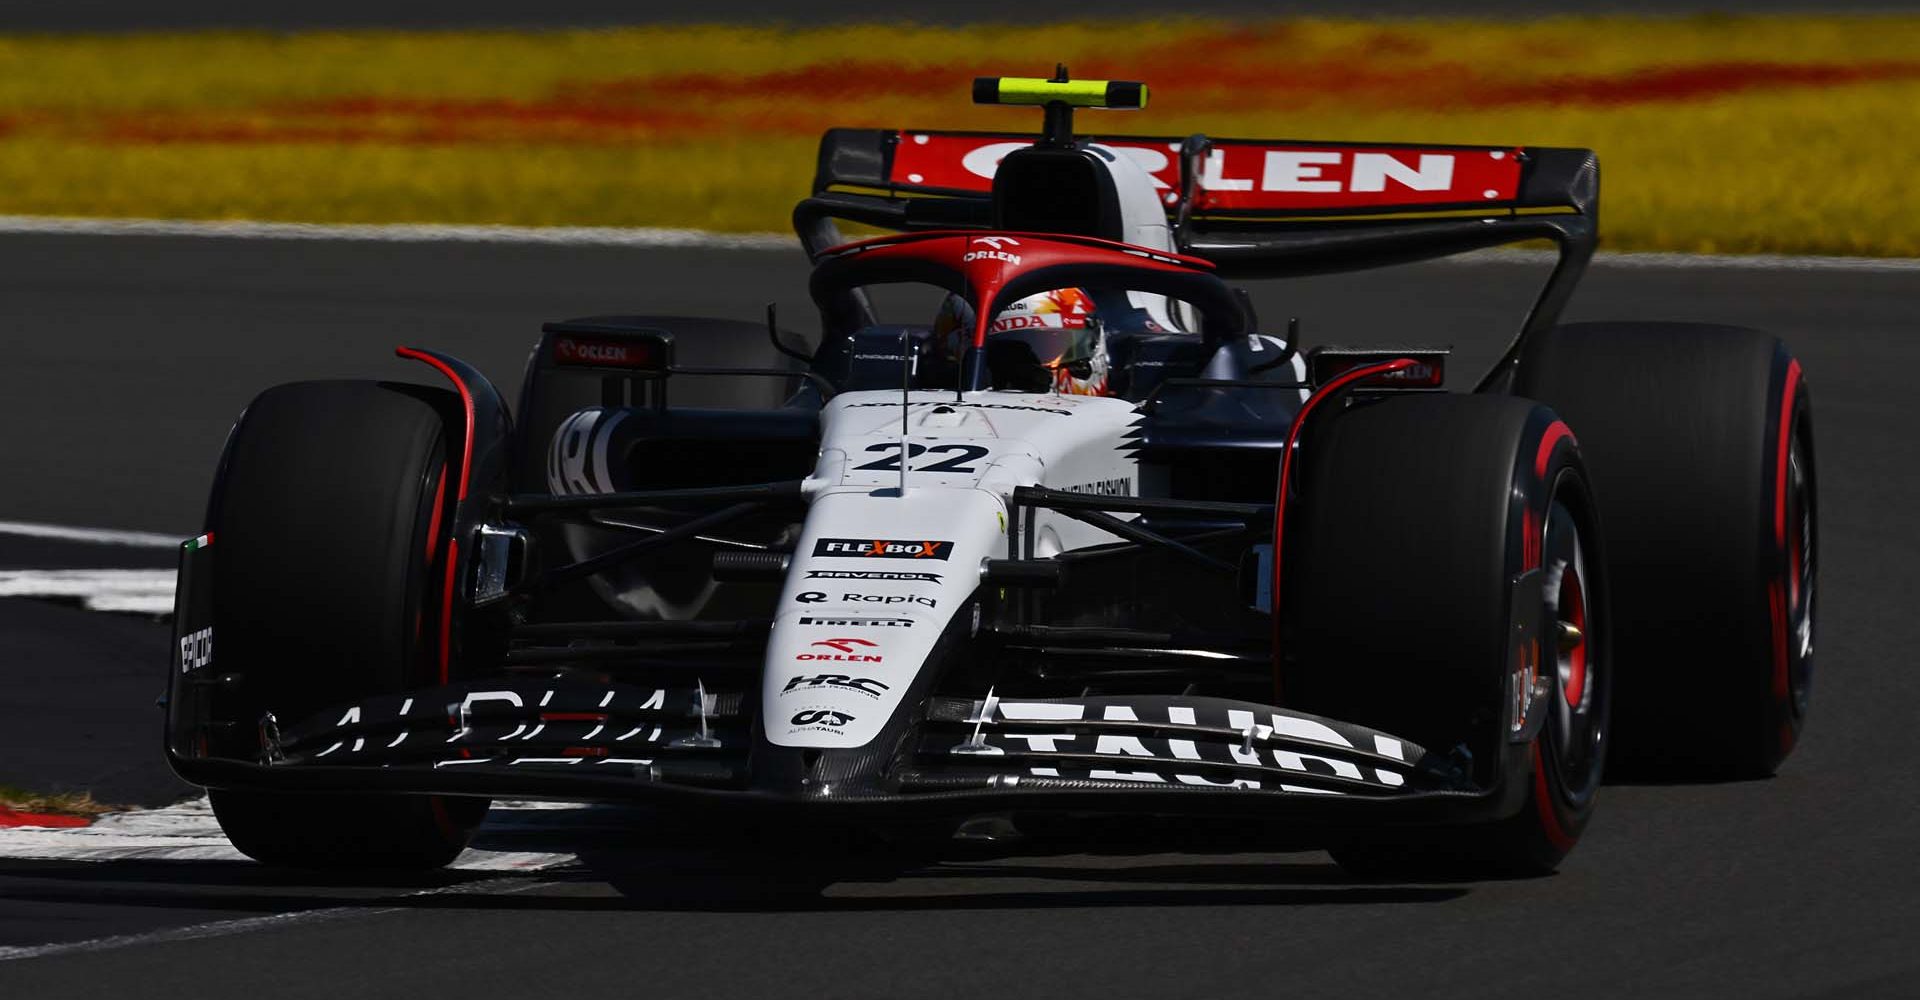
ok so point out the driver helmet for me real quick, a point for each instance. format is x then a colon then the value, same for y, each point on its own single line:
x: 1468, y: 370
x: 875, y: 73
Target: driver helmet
x: 1062, y: 328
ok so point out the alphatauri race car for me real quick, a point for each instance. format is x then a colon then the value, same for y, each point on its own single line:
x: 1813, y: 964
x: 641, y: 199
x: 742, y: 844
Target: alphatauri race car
x: 1080, y: 546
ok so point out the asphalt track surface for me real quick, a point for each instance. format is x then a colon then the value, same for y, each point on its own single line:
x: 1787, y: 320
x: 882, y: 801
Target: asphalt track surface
x: 130, y: 15
x: 126, y: 358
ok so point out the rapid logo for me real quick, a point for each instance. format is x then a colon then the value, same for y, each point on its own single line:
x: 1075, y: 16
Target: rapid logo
x: 864, y: 685
x: 844, y: 651
x: 888, y: 599
x: 810, y: 597
x: 882, y: 548
x: 859, y: 622
x: 196, y: 650
x: 871, y: 574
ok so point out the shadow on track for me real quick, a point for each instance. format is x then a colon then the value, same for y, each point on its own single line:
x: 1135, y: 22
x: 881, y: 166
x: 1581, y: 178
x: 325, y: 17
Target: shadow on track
x: 969, y: 887
x: 230, y: 886
x: 641, y: 880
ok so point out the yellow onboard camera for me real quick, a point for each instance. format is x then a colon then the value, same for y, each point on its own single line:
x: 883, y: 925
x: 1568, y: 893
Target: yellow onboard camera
x: 1058, y: 97
x: 1121, y: 95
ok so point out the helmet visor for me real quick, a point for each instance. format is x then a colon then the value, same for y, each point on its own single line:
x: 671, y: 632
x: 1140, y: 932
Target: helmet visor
x: 1057, y: 326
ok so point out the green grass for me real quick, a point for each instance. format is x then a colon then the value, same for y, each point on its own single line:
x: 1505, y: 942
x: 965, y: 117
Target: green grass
x: 60, y: 803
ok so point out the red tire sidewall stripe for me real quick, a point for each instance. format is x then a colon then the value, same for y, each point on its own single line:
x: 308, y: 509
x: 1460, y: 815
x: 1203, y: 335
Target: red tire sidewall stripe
x: 1783, y: 447
x: 1544, y: 805
x: 1777, y: 609
x: 1286, y: 473
x: 460, y: 495
x: 466, y: 404
x: 1554, y: 433
x: 1533, y: 546
x: 1533, y: 549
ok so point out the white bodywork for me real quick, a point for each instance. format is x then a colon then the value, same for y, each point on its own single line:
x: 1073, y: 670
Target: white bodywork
x: 880, y: 571
x: 1143, y: 223
x: 878, y: 574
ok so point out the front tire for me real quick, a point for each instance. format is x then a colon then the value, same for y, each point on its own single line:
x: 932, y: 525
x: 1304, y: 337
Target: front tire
x: 406, y: 832
x: 1416, y: 516
x: 329, y: 516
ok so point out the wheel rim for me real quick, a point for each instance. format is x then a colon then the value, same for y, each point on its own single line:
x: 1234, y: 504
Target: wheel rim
x: 1800, y: 575
x: 1572, y: 615
x: 1576, y: 725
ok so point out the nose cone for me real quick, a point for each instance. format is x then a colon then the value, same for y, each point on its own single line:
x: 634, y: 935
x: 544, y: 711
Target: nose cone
x: 875, y: 581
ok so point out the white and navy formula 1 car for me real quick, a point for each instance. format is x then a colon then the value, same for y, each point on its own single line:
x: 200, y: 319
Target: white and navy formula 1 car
x: 1078, y: 539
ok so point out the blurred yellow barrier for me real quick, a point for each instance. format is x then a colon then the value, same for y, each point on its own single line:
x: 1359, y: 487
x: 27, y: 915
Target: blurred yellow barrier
x: 1782, y: 134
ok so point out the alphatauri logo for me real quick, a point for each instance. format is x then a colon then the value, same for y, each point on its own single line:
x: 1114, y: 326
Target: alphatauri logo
x: 820, y: 718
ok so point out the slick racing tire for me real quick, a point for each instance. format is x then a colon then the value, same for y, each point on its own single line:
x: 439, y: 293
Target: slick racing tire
x: 1699, y: 440
x: 1417, y: 522
x: 329, y: 510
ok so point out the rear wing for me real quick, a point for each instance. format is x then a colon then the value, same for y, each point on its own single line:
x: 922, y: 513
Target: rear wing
x: 1253, y: 207
x: 1244, y: 178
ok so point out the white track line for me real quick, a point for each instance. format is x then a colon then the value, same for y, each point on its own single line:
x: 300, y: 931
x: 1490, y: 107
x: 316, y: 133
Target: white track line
x: 220, y: 928
x: 188, y: 832
x: 141, y: 591
x: 646, y: 237
x: 604, y: 236
x: 96, y: 536
x: 1760, y: 262
x: 244, y: 925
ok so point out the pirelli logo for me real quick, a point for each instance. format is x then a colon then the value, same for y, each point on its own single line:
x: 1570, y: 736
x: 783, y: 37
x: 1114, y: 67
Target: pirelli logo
x: 882, y: 548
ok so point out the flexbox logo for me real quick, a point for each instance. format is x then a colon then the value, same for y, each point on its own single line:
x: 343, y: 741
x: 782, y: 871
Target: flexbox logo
x: 882, y: 548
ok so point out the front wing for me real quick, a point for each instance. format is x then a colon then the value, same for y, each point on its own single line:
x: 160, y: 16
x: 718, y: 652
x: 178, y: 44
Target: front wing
x: 695, y: 748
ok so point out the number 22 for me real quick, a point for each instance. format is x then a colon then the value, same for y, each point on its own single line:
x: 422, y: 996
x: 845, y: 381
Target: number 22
x: 964, y: 455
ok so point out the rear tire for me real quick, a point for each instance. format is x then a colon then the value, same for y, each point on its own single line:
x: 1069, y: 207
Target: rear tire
x: 1700, y: 442
x: 328, y: 517
x: 1414, y: 519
